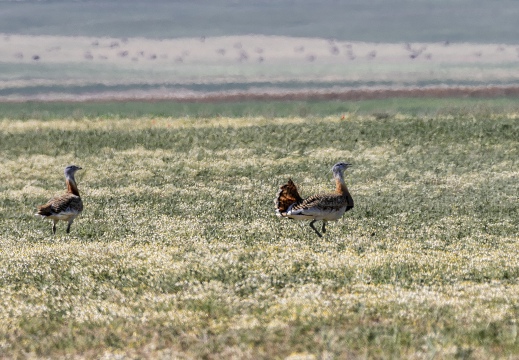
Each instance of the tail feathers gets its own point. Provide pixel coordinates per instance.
(44, 210)
(286, 196)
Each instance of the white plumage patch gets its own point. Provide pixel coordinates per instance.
(64, 215)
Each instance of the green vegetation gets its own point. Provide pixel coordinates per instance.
(138, 109)
(179, 254)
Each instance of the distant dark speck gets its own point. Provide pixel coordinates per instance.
(334, 50)
(243, 56)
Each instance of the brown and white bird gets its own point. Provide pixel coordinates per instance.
(65, 207)
(324, 207)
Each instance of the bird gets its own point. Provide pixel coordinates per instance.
(325, 207)
(65, 207)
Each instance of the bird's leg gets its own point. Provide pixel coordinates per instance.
(312, 226)
(68, 227)
(54, 227)
(324, 227)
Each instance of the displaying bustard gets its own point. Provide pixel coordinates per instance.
(65, 207)
(324, 207)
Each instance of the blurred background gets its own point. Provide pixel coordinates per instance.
(81, 50)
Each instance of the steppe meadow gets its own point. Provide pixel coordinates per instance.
(178, 253)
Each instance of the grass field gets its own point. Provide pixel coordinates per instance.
(267, 109)
(179, 253)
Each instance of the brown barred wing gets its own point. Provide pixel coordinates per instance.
(66, 203)
(322, 202)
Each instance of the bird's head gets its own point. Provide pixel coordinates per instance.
(71, 170)
(340, 167)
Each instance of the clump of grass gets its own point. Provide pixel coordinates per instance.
(178, 252)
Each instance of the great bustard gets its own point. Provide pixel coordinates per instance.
(324, 207)
(65, 207)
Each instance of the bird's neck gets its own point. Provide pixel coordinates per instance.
(71, 185)
(341, 188)
(340, 185)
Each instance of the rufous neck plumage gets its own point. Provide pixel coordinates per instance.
(71, 185)
(341, 188)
